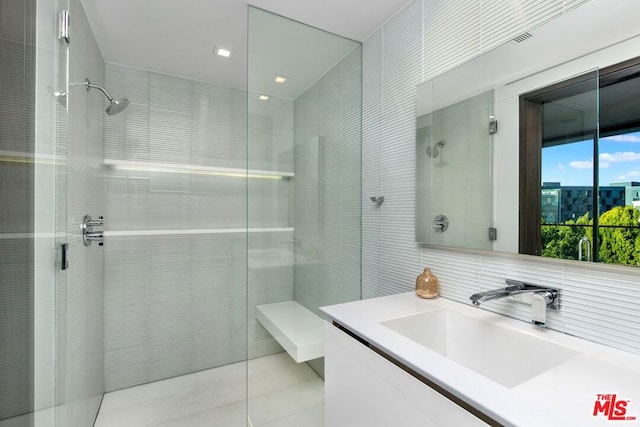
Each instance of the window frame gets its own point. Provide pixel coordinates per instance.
(530, 148)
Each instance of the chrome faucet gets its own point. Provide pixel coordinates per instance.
(540, 298)
(582, 242)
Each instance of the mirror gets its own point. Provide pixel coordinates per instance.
(561, 49)
(453, 149)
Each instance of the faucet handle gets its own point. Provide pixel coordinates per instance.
(514, 285)
(539, 303)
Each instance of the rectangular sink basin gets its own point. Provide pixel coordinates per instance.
(505, 355)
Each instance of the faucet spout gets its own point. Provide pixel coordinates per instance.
(541, 297)
(513, 287)
(480, 297)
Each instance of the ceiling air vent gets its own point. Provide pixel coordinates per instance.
(522, 37)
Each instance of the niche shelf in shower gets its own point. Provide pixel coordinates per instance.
(195, 169)
(28, 157)
(299, 331)
(126, 233)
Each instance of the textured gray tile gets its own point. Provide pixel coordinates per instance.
(169, 136)
(16, 317)
(191, 288)
(219, 126)
(171, 93)
(128, 82)
(126, 366)
(169, 359)
(126, 136)
(16, 197)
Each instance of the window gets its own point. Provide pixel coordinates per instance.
(585, 127)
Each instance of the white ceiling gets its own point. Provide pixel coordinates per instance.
(178, 37)
(281, 47)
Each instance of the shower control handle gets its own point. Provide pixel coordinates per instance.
(440, 223)
(96, 222)
(88, 233)
(95, 236)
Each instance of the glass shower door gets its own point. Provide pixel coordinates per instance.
(50, 214)
(304, 209)
(33, 66)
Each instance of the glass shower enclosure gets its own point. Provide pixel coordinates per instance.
(33, 146)
(302, 152)
(304, 206)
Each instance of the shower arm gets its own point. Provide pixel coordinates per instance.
(115, 105)
(90, 85)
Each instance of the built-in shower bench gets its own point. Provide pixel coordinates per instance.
(298, 330)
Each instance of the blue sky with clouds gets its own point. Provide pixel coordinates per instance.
(572, 164)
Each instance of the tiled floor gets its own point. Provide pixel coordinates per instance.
(45, 417)
(281, 394)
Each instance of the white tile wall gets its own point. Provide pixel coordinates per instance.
(424, 39)
(392, 149)
(372, 182)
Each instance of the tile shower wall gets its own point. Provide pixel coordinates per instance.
(175, 269)
(327, 194)
(426, 38)
(17, 115)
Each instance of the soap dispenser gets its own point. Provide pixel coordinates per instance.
(427, 285)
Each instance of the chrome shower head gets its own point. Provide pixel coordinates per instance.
(115, 105)
(432, 150)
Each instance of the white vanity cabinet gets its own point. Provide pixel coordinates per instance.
(362, 388)
(386, 367)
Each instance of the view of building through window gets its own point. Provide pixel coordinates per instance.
(574, 207)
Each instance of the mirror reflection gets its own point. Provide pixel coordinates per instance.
(453, 152)
(564, 165)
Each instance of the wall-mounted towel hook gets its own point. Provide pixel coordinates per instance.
(377, 199)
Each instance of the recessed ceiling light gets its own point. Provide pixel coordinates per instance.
(263, 97)
(280, 79)
(222, 51)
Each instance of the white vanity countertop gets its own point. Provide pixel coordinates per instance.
(564, 395)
